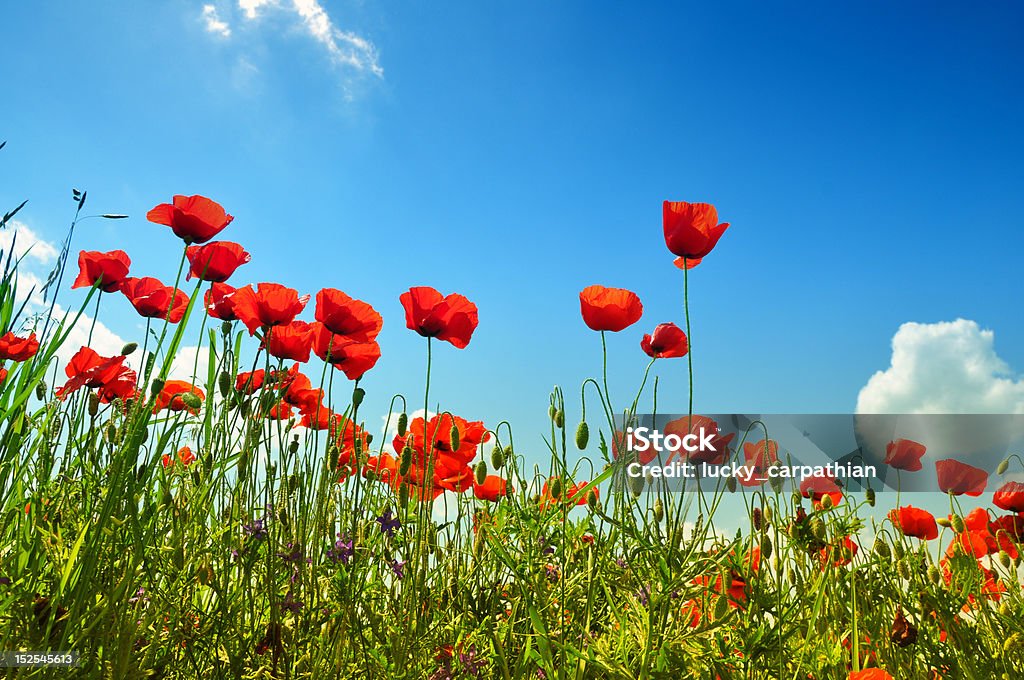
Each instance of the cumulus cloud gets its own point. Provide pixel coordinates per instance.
(947, 367)
(26, 243)
(213, 23)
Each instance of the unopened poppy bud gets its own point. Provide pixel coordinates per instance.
(480, 472)
(898, 549)
(933, 574)
(94, 403)
(768, 514)
(403, 423)
(904, 569)
(157, 385)
(776, 483)
(454, 436)
(1005, 609)
(592, 501)
(636, 485)
(818, 529)
(559, 419)
(293, 483)
(406, 462)
(582, 435)
(943, 522)
(659, 510)
(721, 607)
(111, 432)
(756, 519)
(730, 484)
(1005, 559)
(191, 400)
(881, 548)
(793, 576)
(497, 457)
(224, 383)
(767, 547)
(293, 446)
(357, 396)
(41, 390)
(551, 411)
(826, 502)
(869, 496)
(1013, 642)
(958, 523)
(129, 348)
(403, 495)
(1003, 466)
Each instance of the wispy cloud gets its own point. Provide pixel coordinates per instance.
(213, 23)
(347, 51)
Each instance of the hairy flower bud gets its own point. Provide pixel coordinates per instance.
(224, 383)
(480, 472)
(129, 348)
(555, 488)
(659, 510)
(403, 423)
(1003, 466)
(406, 462)
(497, 457)
(94, 403)
(881, 548)
(454, 436)
(357, 396)
(767, 547)
(559, 419)
(958, 524)
(869, 496)
(191, 400)
(41, 390)
(582, 435)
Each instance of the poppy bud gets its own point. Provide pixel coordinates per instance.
(129, 348)
(403, 423)
(659, 510)
(582, 435)
(559, 419)
(869, 496)
(881, 548)
(551, 411)
(403, 495)
(818, 528)
(94, 403)
(1005, 609)
(769, 514)
(481, 472)
(756, 519)
(904, 569)
(205, 573)
(592, 501)
(826, 502)
(1005, 559)
(958, 524)
(943, 522)
(636, 485)
(406, 462)
(1003, 466)
(721, 607)
(934, 575)
(157, 385)
(454, 436)
(293, 446)
(898, 549)
(555, 488)
(224, 383)
(767, 547)
(1014, 641)
(357, 396)
(111, 432)
(225, 328)
(793, 576)
(41, 390)
(730, 484)
(191, 400)
(497, 457)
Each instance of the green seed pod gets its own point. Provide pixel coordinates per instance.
(826, 502)
(659, 510)
(41, 390)
(904, 569)
(403, 495)
(1013, 642)
(129, 348)
(1003, 466)
(793, 576)
(555, 488)
(497, 457)
(293, 483)
(721, 607)
(293, 445)
(934, 575)
(958, 524)
(559, 419)
(191, 400)
(403, 423)
(943, 522)
(592, 500)
(897, 548)
(94, 403)
(551, 412)
(636, 485)
(406, 462)
(224, 383)
(818, 529)
(881, 548)
(157, 385)
(769, 514)
(869, 495)
(767, 547)
(357, 396)
(582, 435)
(730, 484)
(480, 472)
(1005, 559)
(111, 431)
(454, 436)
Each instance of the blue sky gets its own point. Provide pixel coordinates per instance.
(868, 157)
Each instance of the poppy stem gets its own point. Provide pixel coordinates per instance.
(95, 315)
(689, 339)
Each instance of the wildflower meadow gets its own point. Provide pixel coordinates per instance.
(252, 521)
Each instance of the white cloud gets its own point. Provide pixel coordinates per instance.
(345, 49)
(947, 367)
(213, 23)
(25, 242)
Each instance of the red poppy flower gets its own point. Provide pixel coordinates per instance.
(385, 467)
(817, 487)
(760, 456)
(915, 522)
(290, 341)
(960, 478)
(88, 369)
(185, 457)
(194, 219)
(215, 261)
(451, 318)
(571, 495)
(691, 229)
(609, 309)
(109, 269)
(18, 349)
(170, 396)
(869, 674)
(492, 489)
(346, 316)
(282, 410)
(840, 554)
(1011, 525)
(904, 454)
(3, 375)
(122, 385)
(694, 425)
(666, 342)
(152, 299)
(318, 417)
(218, 300)
(352, 357)
(1010, 496)
(249, 381)
(270, 304)
(686, 262)
(299, 392)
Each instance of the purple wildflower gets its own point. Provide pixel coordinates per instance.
(389, 524)
(256, 529)
(291, 604)
(342, 550)
(397, 567)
